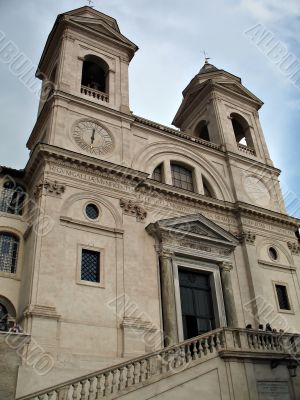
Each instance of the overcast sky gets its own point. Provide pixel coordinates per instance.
(171, 35)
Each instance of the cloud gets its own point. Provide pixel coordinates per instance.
(171, 35)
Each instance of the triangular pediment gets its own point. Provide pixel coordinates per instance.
(104, 28)
(239, 89)
(196, 227)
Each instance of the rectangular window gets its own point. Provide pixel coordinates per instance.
(282, 296)
(90, 266)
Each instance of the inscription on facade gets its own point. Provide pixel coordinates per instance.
(91, 178)
(267, 227)
(273, 391)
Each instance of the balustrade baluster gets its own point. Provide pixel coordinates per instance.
(177, 358)
(170, 356)
(164, 362)
(83, 389)
(254, 341)
(143, 370)
(188, 352)
(62, 394)
(75, 391)
(194, 350)
(122, 378)
(91, 388)
(98, 387)
(51, 395)
(205, 346)
(136, 372)
(129, 375)
(114, 385)
(218, 341)
(107, 384)
(148, 368)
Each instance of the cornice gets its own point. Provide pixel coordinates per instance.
(178, 133)
(144, 185)
(247, 160)
(264, 214)
(46, 152)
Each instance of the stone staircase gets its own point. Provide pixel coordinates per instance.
(118, 380)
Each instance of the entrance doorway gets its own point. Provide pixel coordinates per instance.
(196, 303)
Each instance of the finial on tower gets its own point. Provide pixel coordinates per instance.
(206, 57)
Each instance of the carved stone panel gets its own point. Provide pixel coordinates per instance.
(134, 209)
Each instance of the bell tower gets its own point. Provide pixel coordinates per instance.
(84, 71)
(217, 108)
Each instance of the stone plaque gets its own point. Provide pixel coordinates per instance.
(273, 391)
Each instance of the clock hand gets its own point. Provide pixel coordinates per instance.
(92, 138)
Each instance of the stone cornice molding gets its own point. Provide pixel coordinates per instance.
(247, 160)
(41, 311)
(44, 152)
(134, 209)
(178, 133)
(90, 226)
(138, 324)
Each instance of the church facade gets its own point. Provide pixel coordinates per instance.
(122, 237)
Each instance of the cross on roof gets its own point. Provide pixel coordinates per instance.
(206, 57)
(90, 2)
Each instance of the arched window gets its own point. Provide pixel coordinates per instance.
(7, 314)
(9, 246)
(3, 318)
(207, 188)
(12, 198)
(241, 131)
(95, 74)
(157, 173)
(202, 131)
(182, 177)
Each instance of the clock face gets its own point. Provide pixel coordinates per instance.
(93, 138)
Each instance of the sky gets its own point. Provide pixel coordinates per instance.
(171, 35)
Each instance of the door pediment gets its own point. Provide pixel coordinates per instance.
(194, 232)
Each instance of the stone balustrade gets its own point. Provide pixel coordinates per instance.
(135, 373)
(95, 94)
(246, 150)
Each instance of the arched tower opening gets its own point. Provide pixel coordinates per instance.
(95, 74)
(241, 131)
(201, 131)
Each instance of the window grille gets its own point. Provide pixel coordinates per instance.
(9, 245)
(90, 266)
(12, 199)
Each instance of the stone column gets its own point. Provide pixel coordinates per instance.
(231, 314)
(168, 298)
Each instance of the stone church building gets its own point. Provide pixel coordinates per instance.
(142, 261)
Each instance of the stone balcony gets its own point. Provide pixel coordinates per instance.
(246, 150)
(94, 94)
(131, 375)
